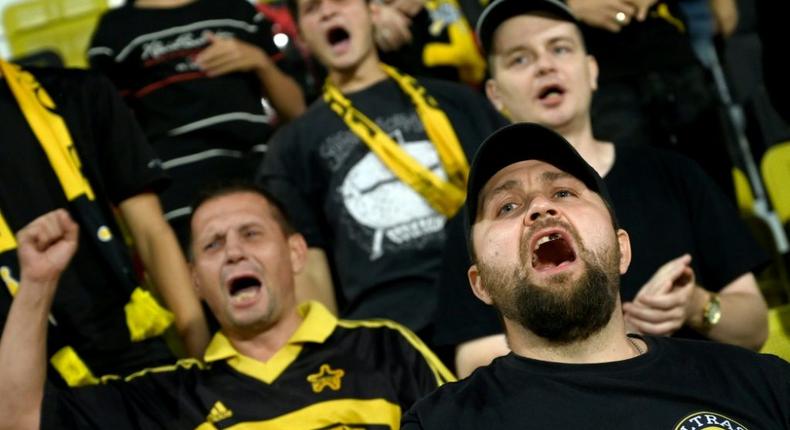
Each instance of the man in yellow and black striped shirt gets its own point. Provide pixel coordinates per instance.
(273, 365)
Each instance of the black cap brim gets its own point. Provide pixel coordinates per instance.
(527, 141)
(500, 10)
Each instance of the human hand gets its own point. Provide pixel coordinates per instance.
(45, 247)
(664, 303)
(390, 27)
(407, 7)
(227, 54)
(611, 15)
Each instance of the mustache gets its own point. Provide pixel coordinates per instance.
(526, 240)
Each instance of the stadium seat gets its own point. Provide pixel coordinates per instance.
(778, 342)
(775, 167)
(62, 26)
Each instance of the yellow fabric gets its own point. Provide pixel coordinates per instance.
(366, 413)
(663, 12)
(50, 130)
(461, 51)
(317, 326)
(7, 239)
(444, 196)
(72, 368)
(145, 317)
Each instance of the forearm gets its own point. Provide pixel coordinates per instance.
(23, 360)
(168, 270)
(743, 317)
(165, 264)
(282, 91)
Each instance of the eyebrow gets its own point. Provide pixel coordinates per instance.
(545, 178)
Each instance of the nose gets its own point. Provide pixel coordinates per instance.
(545, 64)
(234, 251)
(540, 207)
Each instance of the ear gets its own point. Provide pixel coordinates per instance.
(298, 252)
(492, 92)
(477, 285)
(624, 242)
(592, 72)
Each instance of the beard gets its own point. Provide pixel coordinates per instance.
(562, 311)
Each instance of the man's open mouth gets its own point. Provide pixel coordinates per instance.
(337, 35)
(552, 250)
(244, 287)
(551, 90)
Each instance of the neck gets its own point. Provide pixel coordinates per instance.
(607, 345)
(599, 154)
(362, 75)
(263, 344)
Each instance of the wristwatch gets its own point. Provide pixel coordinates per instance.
(711, 313)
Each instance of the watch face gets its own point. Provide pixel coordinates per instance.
(713, 311)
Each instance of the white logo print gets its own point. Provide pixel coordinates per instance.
(376, 199)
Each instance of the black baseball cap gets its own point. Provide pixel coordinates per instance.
(500, 10)
(527, 141)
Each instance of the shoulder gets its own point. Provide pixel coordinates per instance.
(716, 356)
(451, 91)
(449, 400)
(381, 331)
(67, 85)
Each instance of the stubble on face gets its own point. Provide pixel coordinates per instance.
(564, 310)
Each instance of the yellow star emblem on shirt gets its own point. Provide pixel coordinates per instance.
(326, 377)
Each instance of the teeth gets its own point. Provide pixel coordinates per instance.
(244, 295)
(545, 239)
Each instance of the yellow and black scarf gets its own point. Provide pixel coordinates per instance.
(144, 317)
(444, 196)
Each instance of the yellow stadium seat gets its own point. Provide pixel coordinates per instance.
(62, 26)
(743, 191)
(775, 168)
(778, 342)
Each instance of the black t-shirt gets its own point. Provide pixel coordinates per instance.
(677, 384)
(667, 205)
(148, 53)
(118, 164)
(206, 129)
(659, 43)
(384, 239)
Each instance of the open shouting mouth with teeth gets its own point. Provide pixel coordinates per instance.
(243, 288)
(552, 249)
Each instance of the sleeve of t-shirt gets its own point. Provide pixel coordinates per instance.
(410, 421)
(147, 402)
(415, 370)
(263, 37)
(127, 162)
(729, 249)
(286, 174)
(460, 316)
(101, 52)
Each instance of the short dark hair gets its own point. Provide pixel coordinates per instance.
(293, 7)
(222, 189)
